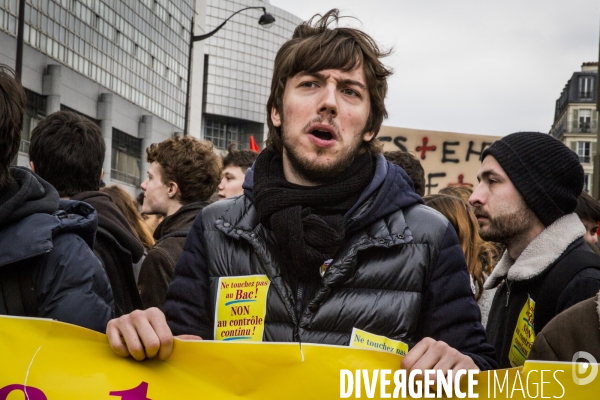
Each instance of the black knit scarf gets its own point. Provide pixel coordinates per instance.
(307, 221)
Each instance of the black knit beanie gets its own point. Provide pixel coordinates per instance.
(547, 173)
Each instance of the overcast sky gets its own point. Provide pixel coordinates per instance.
(473, 66)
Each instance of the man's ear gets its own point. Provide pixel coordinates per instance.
(275, 117)
(102, 174)
(173, 190)
(32, 166)
(368, 136)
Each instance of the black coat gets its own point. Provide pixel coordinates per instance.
(527, 277)
(401, 274)
(118, 248)
(55, 247)
(158, 266)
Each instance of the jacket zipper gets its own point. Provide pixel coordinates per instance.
(299, 294)
(507, 292)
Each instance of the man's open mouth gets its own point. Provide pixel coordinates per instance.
(322, 134)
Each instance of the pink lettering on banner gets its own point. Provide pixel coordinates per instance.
(137, 393)
(30, 392)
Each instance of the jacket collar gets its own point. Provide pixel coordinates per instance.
(181, 219)
(390, 189)
(112, 223)
(244, 218)
(542, 252)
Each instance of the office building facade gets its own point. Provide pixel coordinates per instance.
(238, 66)
(123, 64)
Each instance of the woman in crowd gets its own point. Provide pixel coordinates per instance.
(479, 254)
(128, 207)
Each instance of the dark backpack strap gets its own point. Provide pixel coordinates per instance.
(179, 233)
(18, 290)
(28, 294)
(9, 280)
(557, 280)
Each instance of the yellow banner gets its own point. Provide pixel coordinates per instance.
(54, 361)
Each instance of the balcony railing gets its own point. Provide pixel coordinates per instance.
(588, 127)
(585, 159)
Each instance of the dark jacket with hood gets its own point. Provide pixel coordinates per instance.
(118, 248)
(529, 277)
(158, 266)
(48, 243)
(400, 274)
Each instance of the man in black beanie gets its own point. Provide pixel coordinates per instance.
(529, 183)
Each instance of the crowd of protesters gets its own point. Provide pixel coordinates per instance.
(344, 232)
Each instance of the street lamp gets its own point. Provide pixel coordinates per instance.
(266, 20)
(20, 34)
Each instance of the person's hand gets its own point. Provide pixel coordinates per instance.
(437, 355)
(141, 334)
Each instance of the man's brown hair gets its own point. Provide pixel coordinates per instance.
(411, 165)
(239, 158)
(315, 47)
(12, 109)
(190, 163)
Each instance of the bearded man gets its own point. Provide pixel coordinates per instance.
(334, 234)
(527, 193)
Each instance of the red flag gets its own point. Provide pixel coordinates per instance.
(253, 145)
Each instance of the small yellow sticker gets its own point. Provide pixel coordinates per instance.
(524, 335)
(241, 308)
(366, 340)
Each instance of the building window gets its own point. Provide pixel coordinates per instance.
(222, 131)
(586, 183)
(126, 158)
(584, 151)
(586, 84)
(585, 120)
(35, 111)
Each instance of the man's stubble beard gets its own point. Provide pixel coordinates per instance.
(312, 171)
(504, 228)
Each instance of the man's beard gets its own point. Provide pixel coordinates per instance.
(313, 171)
(505, 227)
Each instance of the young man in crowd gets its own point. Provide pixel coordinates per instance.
(47, 268)
(183, 174)
(528, 189)
(235, 165)
(67, 150)
(337, 230)
(588, 211)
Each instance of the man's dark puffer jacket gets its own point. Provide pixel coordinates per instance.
(402, 275)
